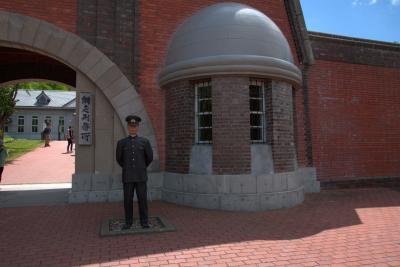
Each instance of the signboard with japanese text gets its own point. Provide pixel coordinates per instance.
(85, 118)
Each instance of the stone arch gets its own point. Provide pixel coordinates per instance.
(24, 32)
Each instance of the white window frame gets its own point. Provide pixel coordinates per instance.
(62, 128)
(197, 86)
(262, 84)
(21, 126)
(36, 125)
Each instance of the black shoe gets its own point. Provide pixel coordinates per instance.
(126, 226)
(145, 225)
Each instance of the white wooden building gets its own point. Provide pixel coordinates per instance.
(35, 107)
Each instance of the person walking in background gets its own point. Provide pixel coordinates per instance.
(46, 134)
(3, 156)
(70, 138)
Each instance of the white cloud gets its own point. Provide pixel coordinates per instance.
(366, 2)
(395, 2)
(373, 2)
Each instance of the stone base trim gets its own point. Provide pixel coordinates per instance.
(237, 192)
(88, 187)
(222, 192)
(108, 196)
(236, 202)
(309, 174)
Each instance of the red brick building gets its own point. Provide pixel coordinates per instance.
(340, 116)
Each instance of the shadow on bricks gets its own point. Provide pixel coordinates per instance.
(68, 235)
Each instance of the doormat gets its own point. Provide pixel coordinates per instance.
(110, 227)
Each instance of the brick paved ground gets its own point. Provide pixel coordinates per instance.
(353, 227)
(42, 165)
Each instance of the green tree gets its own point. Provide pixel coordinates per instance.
(43, 86)
(7, 105)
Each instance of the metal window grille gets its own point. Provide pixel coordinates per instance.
(203, 112)
(21, 123)
(35, 123)
(257, 111)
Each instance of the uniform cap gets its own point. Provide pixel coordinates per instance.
(133, 120)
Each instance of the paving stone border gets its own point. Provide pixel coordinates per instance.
(113, 227)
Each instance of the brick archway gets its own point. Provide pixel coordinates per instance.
(23, 32)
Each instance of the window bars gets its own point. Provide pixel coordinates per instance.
(257, 111)
(35, 123)
(203, 112)
(21, 123)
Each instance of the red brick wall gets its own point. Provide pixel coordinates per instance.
(180, 131)
(62, 13)
(230, 122)
(298, 121)
(158, 21)
(282, 127)
(355, 120)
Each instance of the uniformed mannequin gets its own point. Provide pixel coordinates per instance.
(134, 154)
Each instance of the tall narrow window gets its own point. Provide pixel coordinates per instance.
(61, 125)
(257, 111)
(203, 112)
(21, 123)
(35, 124)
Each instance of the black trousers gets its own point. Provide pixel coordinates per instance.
(69, 143)
(141, 193)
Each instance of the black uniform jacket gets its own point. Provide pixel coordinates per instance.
(134, 154)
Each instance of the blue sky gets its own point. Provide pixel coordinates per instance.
(369, 19)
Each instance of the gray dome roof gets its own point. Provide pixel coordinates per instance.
(229, 38)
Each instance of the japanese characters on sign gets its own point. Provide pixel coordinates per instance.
(85, 118)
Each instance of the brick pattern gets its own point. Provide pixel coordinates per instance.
(180, 128)
(295, 124)
(106, 27)
(231, 124)
(332, 228)
(304, 122)
(299, 129)
(283, 148)
(355, 51)
(355, 120)
(159, 19)
(353, 102)
(62, 13)
(86, 19)
(110, 26)
(268, 113)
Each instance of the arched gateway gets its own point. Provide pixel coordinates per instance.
(97, 177)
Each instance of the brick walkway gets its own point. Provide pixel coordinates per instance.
(354, 227)
(42, 165)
